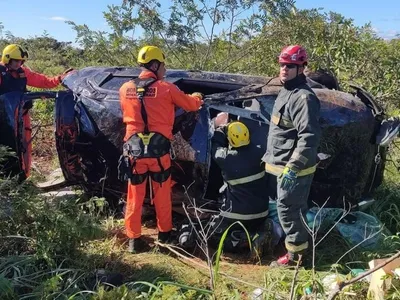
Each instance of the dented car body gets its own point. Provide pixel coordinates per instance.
(89, 133)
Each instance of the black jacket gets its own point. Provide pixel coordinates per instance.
(294, 132)
(244, 174)
(10, 83)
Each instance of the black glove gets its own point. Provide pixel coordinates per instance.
(66, 72)
(124, 168)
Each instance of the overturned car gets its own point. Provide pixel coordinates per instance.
(89, 133)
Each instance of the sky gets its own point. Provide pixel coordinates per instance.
(33, 18)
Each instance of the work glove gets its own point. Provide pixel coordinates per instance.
(288, 179)
(199, 95)
(66, 72)
(124, 168)
(221, 119)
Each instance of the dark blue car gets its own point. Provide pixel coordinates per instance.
(89, 133)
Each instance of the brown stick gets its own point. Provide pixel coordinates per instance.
(342, 284)
(295, 277)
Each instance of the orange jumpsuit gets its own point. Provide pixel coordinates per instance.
(160, 101)
(41, 81)
(17, 81)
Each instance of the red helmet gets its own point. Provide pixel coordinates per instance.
(293, 55)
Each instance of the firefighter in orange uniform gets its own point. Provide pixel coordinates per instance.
(148, 108)
(14, 76)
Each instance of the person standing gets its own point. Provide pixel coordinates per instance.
(291, 154)
(148, 108)
(15, 77)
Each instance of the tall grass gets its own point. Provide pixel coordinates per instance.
(50, 248)
(44, 252)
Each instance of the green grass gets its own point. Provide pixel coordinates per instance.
(52, 248)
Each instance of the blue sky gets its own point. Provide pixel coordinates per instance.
(30, 18)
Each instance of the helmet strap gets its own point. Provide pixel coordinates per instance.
(10, 60)
(149, 65)
(158, 67)
(297, 69)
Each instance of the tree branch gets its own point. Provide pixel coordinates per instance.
(296, 272)
(244, 53)
(214, 22)
(170, 48)
(345, 283)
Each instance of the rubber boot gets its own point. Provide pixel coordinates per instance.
(137, 245)
(290, 260)
(164, 237)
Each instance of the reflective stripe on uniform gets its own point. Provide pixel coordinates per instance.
(246, 179)
(236, 216)
(282, 121)
(294, 249)
(275, 119)
(277, 170)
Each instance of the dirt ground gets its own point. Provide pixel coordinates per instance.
(193, 269)
(46, 164)
(161, 261)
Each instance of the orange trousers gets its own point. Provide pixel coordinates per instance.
(161, 197)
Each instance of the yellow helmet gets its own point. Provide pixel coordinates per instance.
(149, 53)
(238, 134)
(13, 51)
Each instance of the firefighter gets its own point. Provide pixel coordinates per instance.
(15, 76)
(245, 194)
(148, 107)
(291, 154)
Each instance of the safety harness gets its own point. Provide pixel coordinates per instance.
(9, 83)
(146, 144)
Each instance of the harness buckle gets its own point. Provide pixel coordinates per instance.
(146, 140)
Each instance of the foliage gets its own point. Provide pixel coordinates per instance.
(51, 246)
(242, 36)
(48, 235)
(388, 206)
(40, 237)
(224, 36)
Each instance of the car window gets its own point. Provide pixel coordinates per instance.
(266, 105)
(111, 82)
(114, 83)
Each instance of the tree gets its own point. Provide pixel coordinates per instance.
(190, 31)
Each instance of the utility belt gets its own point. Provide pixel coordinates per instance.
(143, 145)
(151, 145)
